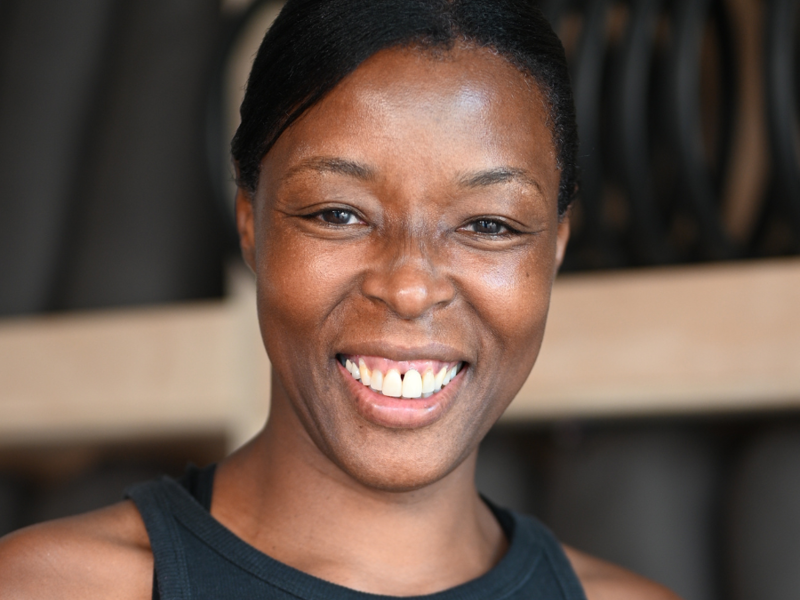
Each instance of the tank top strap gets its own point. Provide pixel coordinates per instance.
(171, 570)
(199, 482)
(560, 567)
(535, 533)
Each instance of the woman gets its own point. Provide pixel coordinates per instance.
(405, 170)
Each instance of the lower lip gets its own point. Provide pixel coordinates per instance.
(401, 413)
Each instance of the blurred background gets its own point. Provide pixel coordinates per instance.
(128, 344)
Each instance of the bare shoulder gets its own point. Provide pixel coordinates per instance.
(604, 581)
(101, 554)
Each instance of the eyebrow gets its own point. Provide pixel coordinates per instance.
(496, 176)
(338, 166)
(477, 179)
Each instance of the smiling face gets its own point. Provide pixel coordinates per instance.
(406, 224)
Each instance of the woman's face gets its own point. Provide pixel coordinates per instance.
(406, 224)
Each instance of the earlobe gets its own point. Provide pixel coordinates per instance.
(245, 225)
(562, 237)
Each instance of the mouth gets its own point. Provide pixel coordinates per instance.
(401, 394)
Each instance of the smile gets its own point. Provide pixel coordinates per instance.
(401, 379)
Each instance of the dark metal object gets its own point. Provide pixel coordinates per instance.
(587, 82)
(783, 104)
(631, 119)
(690, 19)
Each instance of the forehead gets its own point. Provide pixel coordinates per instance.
(459, 109)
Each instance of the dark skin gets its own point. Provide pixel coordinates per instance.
(411, 214)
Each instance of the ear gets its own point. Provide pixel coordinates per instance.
(246, 227)
(562, 237)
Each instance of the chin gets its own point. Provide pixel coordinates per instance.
(397, 479)
(416, 462)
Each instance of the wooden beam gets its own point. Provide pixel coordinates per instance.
(183, 369)
(679, 340)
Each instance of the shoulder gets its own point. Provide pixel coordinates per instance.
(101, 554)
(603, 581)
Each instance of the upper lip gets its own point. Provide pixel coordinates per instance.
(401, 352)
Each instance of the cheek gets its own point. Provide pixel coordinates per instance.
(512, 296)
(299, 283)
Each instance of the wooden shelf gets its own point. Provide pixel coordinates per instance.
(678, 340)
(193, 369)
(657, 341)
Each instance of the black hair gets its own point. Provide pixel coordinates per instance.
(314, 44)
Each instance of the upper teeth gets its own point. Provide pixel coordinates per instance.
(410, 385)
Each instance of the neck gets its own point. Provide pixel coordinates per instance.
(282, 495)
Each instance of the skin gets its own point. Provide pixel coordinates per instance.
(411, 214)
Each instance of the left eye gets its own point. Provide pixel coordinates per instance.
(488, 227)
(337, 216)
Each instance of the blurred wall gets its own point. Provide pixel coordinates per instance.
(104, 193)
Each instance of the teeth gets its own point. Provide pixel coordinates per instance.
(364, 371)
(392, 384)
(412, 384)
(353, 369)
(376, 382)
(428, 382)
(438, 380)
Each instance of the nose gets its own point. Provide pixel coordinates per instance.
(407, 281)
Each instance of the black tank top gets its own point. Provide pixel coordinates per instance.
(197, 558)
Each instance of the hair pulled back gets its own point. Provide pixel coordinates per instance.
(314, 44)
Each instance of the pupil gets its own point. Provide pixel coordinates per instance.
(340, 216)
(488, 226)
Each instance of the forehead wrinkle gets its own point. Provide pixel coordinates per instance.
(331, 164)
(501, 175)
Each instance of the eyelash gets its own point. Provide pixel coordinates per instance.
(505, 229)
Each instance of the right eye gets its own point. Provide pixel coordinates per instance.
(338, 216)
